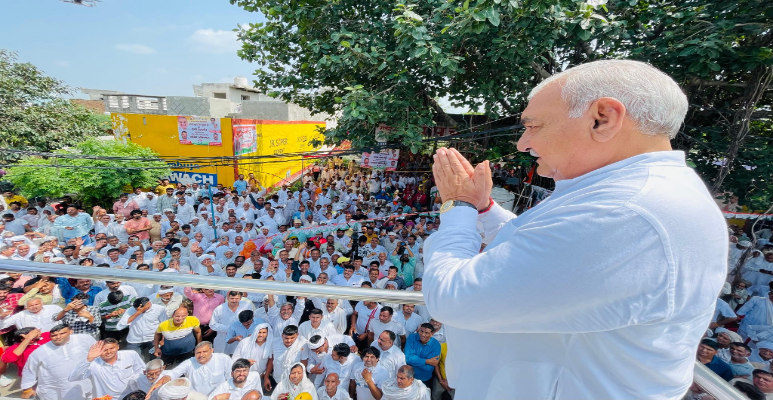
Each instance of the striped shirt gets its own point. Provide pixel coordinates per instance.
(106, 308)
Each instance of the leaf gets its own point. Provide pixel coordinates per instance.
(344, 43)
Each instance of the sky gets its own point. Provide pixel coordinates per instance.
(153, 47)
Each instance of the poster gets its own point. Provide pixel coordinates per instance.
(199, 130)
(385, 159)
(245, 139)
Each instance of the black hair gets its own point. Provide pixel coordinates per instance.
(140, 302)
(234, 293)
(316, 311)
(366, 283)
(388, 309)
(81, 296)
(137, 394)
(115, 297)
(751, 391)
(391, 334)
(707, 342)
(290, 330)
(135, 212)
(59, 327)
(432, 328)
(240, 364)
(18, 334)
(109, 340)
(741, 344)
(372, 350)
(349, 266)
(246, 315)
(342, 349)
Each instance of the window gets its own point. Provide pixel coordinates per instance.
(244, 97)
(219, 95)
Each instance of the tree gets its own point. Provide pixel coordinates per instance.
(95, 171)
(379, 63)
(34, 116)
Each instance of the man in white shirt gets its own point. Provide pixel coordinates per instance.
(241, 383)
(114, 286)
(48, 368)
(392, 358)
(340, 361)
(349, 278)
(285, 352)
(222, 318)
(108, 368)
(35, 315)
(332, 390)
(409, 319)
(206, 369)
(316, 326)
(150, 375)
(385, 322)
(602, 131)
(369, 375)
(143, 320)
(287, 315)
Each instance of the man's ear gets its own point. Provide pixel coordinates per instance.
(607, 114)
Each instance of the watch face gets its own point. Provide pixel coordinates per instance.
(447, 206)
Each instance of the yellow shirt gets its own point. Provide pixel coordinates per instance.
(20, 199)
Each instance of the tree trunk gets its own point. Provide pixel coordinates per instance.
(754, 91)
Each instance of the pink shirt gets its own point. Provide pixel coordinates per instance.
(125, 208)
(203, 306)
(143, 223)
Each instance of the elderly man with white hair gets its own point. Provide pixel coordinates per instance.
(150, 375)
(404, 387)
(602, 131)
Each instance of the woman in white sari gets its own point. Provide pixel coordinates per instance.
(256, 349)
(294, 382)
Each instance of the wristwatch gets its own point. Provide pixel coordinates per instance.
(450, 204)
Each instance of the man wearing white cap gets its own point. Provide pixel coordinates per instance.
(762, 355)
(179, 389)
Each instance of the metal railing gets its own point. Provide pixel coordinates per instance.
(213, 282)
(704, 377)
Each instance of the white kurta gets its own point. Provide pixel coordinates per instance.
(253, 382)
(306, 331)
(222, 318)
(622, 248)
(43, 320)
(204, 378)
(49, 366)
(110, 379)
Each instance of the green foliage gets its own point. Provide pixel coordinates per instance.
(33, 114)
(383, 62)
(93, 186)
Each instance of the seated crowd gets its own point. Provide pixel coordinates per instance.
(81, 338)
(739, 342)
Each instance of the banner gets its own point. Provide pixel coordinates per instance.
(245, 139)
(385, 159)
(199, 130)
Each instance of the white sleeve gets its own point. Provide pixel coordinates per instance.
(457, 274)
(492, 221)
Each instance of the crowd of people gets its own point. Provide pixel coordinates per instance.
(341, 225)
(739, 342)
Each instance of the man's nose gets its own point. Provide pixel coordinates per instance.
(524, 144)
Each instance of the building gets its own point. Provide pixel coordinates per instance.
(226, 129)
(218, 100)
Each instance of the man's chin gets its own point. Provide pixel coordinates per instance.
(544, 170)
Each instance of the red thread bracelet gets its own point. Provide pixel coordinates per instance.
(490, 204)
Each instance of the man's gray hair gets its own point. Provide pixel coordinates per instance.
(203, 344)
(407, 370)
(155, 364)
(652, 99)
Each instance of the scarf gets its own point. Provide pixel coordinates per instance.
(250, 350)
(292, 390)
(416, 391)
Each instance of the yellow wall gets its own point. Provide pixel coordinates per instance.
(159, 132)
(280, 137)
